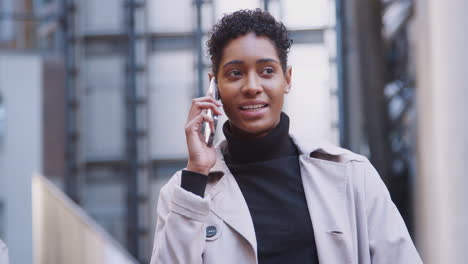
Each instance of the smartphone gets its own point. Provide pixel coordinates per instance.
(207, 133)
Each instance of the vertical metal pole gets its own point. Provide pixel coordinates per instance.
(266, 4)
(365, 75)
(373, 76)
(131, 133)
(199, 48)
(71, 119)
(341, 64)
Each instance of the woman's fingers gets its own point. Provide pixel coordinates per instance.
(198, 106)
(206, 99)
(196, 123)
(195, 139)
(197, 116)
(200, 155)
(208, 105)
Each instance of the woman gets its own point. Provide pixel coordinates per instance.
(264, 195)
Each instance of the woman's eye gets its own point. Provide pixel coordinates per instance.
(268, 70)
(234, 73)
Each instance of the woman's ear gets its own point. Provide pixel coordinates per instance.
(287, 77)
(210, 75)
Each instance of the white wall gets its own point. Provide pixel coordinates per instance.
(64, 233)
(20, 83)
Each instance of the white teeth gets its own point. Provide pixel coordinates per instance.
(248, 107)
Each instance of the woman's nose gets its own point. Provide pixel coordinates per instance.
(252, 86)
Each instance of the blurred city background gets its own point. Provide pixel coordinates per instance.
(94, 95)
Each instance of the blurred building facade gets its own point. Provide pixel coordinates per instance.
(94, 95)
(116, 83)
(378, 80)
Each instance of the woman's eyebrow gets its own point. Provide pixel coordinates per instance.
(266, 61)
(259, 61)
(233, 62)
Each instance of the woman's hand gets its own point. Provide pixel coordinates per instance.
(201, 157)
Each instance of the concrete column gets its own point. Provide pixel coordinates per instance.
(441, 197)
(21, 86)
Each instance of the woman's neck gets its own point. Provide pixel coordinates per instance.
(245, 149)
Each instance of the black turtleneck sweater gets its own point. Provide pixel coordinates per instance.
(268, 174)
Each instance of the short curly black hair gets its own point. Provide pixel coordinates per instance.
(242, 22)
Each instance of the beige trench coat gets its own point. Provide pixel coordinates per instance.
(353, 217)
(3, 253)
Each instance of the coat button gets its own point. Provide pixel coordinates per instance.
(211, 231)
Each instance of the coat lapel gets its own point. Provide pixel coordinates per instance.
(228, 203)
(325, 186)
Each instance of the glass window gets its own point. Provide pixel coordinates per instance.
(95, 20)
(171, 80)
(105, 107)
(309, 101)
(274, 7)
(104, 200)
(171, 16)
(226, 7)
(299, 14)
(6, 25)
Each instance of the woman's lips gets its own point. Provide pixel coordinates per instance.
(254, 113)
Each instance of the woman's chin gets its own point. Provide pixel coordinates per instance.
(252, 129)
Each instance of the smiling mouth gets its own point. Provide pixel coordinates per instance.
(253, 108)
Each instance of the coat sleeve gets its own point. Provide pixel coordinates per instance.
(3, 253)
(389, 239)
(180, 234)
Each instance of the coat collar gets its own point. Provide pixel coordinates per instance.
(325, 191)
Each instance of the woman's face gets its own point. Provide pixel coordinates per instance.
(252, 85)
